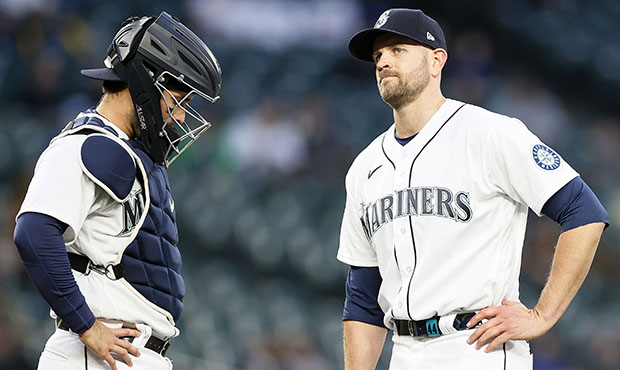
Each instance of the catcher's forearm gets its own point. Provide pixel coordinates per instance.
(571, 262)
(40, 244)
(363, 344)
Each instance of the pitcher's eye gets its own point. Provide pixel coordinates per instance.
(376, 57)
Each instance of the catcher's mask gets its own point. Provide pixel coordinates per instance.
(155, 55)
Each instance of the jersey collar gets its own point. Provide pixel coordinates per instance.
(94, 113)
(121, 134)
(394, 148)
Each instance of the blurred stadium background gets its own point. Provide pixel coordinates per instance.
(260, 196)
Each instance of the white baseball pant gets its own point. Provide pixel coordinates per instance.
(451, 351)
(65, 351)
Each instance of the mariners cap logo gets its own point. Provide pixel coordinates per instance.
(382, 19)
(545, 157)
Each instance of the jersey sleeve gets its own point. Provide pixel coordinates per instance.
(361, 292)
(575, 205)
(524, 168)
(354, 249)
(59, 188)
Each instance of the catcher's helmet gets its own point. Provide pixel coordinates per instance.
(154, 55)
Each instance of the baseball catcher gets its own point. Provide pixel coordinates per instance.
(97, 230)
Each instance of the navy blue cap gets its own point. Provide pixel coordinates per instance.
(410, 23)
(105, 74)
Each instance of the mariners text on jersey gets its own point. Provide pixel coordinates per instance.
(416, 201)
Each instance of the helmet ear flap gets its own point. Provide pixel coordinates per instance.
(146, 101)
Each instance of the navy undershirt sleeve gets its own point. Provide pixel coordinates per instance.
(362, 290)
(38, 238)
(575, 205)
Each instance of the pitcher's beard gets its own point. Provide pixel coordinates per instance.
(398, 96)
(408, 87)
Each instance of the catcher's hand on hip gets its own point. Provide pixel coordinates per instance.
(106, 341)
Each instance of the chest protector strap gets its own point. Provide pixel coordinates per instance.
(84, 265)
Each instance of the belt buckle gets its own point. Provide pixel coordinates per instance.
(432, 327)
(411, 328)
(165, 348)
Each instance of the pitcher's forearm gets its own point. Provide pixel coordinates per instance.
(363, 344)
(571, 263)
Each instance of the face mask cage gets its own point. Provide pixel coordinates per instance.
(180, 135)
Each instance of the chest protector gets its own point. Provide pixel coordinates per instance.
(151, 262)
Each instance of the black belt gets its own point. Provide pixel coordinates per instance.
(430, 327)
(157, 345)
(84, 265)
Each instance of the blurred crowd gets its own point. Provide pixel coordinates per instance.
(260, 196)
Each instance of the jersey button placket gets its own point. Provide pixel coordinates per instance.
(403, 156)
(401, 171)
(401, 225)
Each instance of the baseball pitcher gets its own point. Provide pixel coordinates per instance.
(435, 218)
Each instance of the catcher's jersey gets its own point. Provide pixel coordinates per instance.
(99, 225)
(443, 217)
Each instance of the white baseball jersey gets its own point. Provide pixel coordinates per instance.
(444, 216)
(63, 188)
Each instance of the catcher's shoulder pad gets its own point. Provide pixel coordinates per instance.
(109, 165)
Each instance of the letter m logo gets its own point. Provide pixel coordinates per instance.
(132, 211)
